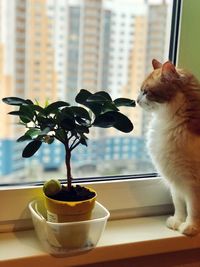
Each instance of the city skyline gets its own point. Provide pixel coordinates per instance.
(51, 49)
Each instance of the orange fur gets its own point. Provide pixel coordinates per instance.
(172, 95)
(162, 86)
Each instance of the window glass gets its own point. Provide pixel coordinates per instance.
(51, 52)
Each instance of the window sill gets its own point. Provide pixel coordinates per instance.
(122, 239)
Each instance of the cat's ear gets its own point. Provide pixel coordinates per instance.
(156, 64)
(169, 71)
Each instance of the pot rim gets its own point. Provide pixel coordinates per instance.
(73, 203)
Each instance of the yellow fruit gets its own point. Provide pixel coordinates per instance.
(51, 187)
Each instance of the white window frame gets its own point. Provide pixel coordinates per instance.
(124, 198)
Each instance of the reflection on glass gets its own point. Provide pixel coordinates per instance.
(52, 49)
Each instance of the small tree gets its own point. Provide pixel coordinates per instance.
(68, 124)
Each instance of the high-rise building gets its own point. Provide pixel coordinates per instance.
(90, 60)
(129, 35)
(46, 49)
(12, 79)
(74, 50)
(47, 63)
(156, 44)
(127, 54)
(51, 49)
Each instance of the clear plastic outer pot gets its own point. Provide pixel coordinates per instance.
(63, 239)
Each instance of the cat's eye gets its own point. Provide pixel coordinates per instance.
(144, 92)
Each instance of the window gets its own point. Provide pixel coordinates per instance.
(141, 190)
(108, 27)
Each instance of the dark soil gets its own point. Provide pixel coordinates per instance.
(77, 193)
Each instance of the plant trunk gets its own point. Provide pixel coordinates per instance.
(68, 167)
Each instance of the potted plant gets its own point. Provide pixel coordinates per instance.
(68, 124)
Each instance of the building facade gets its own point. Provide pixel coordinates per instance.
(51, 49)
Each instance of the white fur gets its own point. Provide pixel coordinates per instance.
(175, 152)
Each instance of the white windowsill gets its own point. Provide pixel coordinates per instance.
(122, 239)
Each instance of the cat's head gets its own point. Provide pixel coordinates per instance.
(160, 86)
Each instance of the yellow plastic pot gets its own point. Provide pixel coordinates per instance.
(63, 211)
(69, 211)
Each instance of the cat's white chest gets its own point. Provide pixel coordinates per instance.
(162, 145)
(156, 140)
(172, 149)
(164, 138)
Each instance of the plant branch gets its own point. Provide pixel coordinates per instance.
(70, 136)
(68, 166)
(73, 145)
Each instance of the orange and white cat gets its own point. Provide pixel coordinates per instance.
(172, 95)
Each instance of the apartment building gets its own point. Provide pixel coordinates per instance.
(129, 35)
(157, 37)
(12, 80)
(51, 49)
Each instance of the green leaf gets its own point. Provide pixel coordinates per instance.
(45, 131)
(109, 106)
(124, 102)
(39, 109)
(32, 132)
(46, 122)
(82, 96)
(105, 120)
(16, 101)
(96, 108)
(81, 112)
(16, 113)
(67, 112)
(31, 148)
(24, 138)
(114, 119)
(25, 119)
(29, 102)
(97, 98)
(26, 112)
(46, 103)
(55, 106)
(37, 102)
(83, 141)
(104, 94)
(68, 123)
(82, 129)
(122, 123)
(60, 134)
(82, 122)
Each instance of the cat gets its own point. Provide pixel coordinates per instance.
(172, 96)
